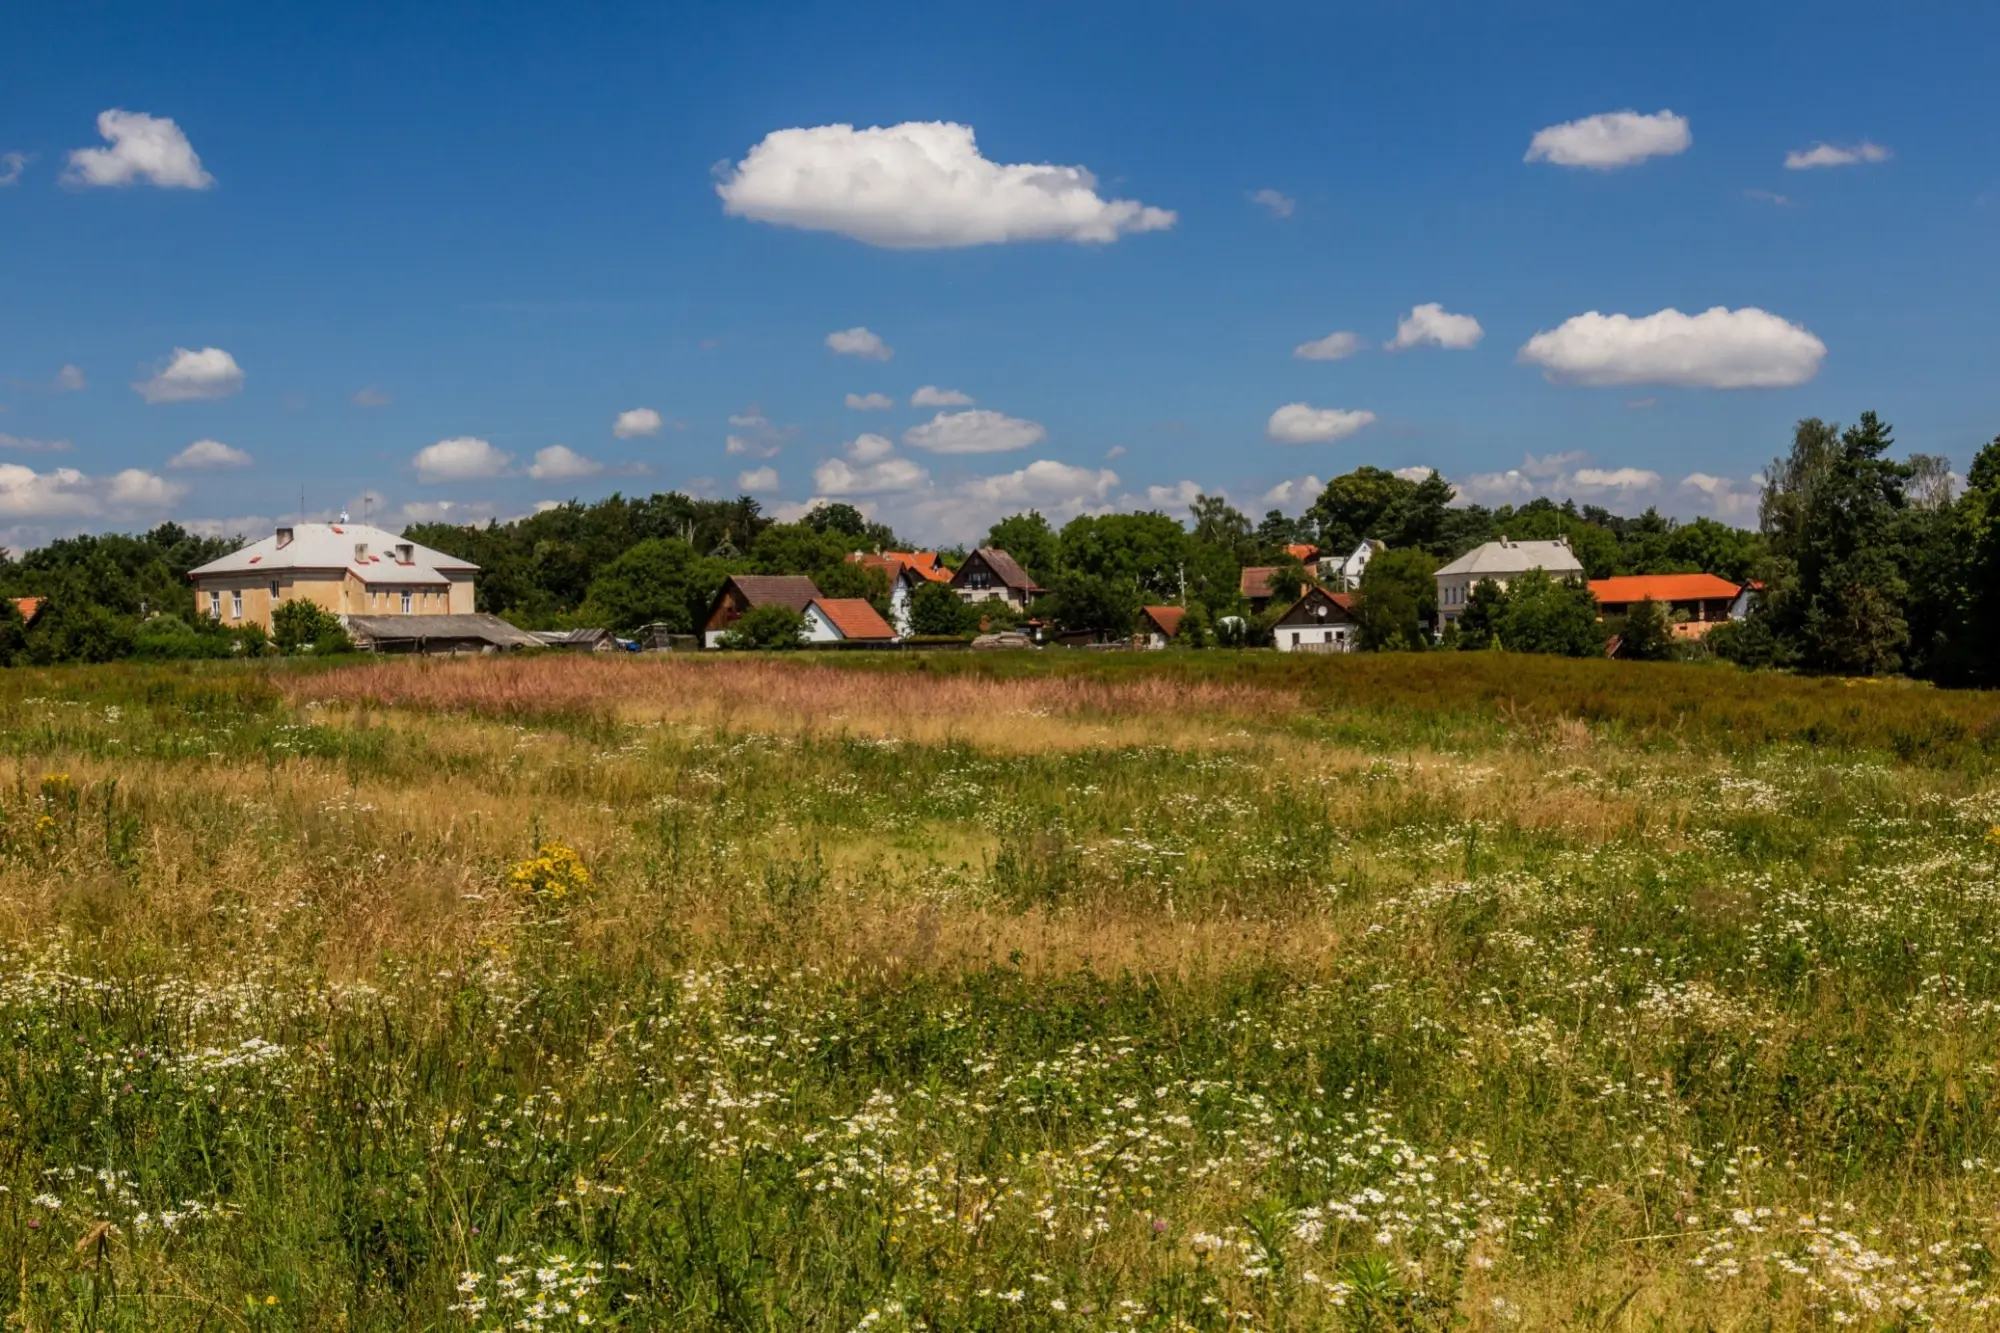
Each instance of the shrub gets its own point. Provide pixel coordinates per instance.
(299, 626)
(766, 627)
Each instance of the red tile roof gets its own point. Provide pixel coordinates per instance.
(1302, 551)
(854, 618)
(29, 607)
(1663, 588)
(921, 564)
(1168, 618)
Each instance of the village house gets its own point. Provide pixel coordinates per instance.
(1160, 625)
(846, 620)
(1502, 562)
(348, 569)
(1699, 602)
(740, 592)
(1345, 573)
(990, 574)
(1319, 622)
(906, 572)
(1255, 585)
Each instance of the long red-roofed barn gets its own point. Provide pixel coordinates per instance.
(1704, 599)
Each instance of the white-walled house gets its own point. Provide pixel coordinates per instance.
(845, 620)
(1502, 562)
(1345, 574)
(1319, 622)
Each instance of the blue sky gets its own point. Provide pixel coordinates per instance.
(502, 226)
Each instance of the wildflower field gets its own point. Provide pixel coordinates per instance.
(1040, 992)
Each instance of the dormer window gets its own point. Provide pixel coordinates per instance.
(405, 553)
(360, 551)
(284, 538)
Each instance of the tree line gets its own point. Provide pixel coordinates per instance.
(1869, 564)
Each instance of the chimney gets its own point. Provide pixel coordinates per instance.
(361, 550)
(284, 538)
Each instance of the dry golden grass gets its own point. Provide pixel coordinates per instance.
(793, 697)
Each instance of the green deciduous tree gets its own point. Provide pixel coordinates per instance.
(662, 580)
(1398, 603)
(769, 628)
(1030, 540)
(1646, 632)
(938, 612)
(1544, 616)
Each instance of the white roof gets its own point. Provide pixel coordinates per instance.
(1506, 559)
(369, 553)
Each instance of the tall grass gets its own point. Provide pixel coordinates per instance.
(968, 995)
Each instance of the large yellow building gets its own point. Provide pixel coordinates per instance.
(350, 569)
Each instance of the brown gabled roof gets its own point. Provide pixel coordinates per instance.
(1344, 600)
(854, 618)
(1006, 569)
(1166, 618)
(1255, 581)
(787, 590)
(1663, 588)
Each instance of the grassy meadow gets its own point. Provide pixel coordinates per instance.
(1056, 991)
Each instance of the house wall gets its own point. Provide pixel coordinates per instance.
(336, 591)
(820, 629)
(1313, 638)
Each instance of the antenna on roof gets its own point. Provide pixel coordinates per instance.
(343, 516)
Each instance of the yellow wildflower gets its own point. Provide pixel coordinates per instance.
(553, 873)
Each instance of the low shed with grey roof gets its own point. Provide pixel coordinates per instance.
(438, 635)
(1502, 562)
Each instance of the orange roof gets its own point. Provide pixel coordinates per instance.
(1662, 588)
(29, 607)
(855, 618)
(1302, 551)
(921, 564)
(1168, 618)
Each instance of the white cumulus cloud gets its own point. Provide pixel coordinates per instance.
(209, 454)
(1836, 155)
(1043, 479)
(1616, 479)
(68, 380)
(1431, 325)
(136, 488)
(837, 476)
(758, 479)
(11, 167)
(1170, 499)
(930, 395)
(1716, 349)
(1414, 473)
(559, 462)
(190, 375)
(142, 148)
(639, 421)
(1613, 139)
(67, 493)
(1300, 423)
(1294, 490)
(1333, 347)
(462, 458)
(921, 185)
(1281, 204)
(861, 342)
(868, 448)
(979, 431)
(870, 402)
